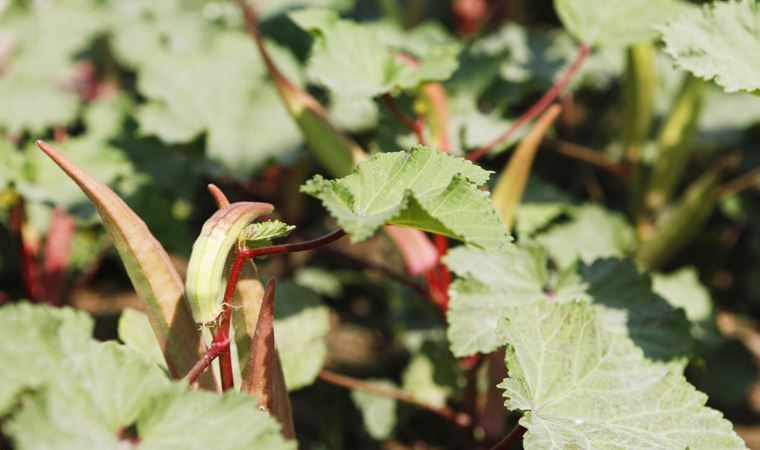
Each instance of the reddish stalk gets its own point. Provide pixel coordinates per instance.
(740, 183)
(415, 125)
(511, 439)
(30, 269)
(205, 361)
(294, 247)
(57, 254)
(461, 419)
(538, 107)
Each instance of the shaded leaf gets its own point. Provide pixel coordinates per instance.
(492, 280)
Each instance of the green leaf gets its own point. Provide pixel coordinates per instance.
(261, 234)
(592, 233)
(423, 189)
(200, 420)
(541, 204)
(616, 23)
(136, 333)
(32, 106)
(718, 42)
(35, 341)
(300, 327)
(430, 375)
(490, 281)
(378, 412)
(361, 60)
(580, 386)
(223, 94)
(89, 395)
(44, 41)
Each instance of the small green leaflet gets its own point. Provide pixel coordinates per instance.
(616, 23)
(719, 42)
(361, 60)
(490, 281)
(378, 412)
(260, 234)
(580, 386)
(84, 394)
(423, 189)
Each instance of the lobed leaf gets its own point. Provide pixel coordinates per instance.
(580, 386)
(91, 395)
(423, 189)
(361, 60)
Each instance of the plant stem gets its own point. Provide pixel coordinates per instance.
(740, 183)
(386, 271)
(415, 125)
(294, 247)
(28, 248)
(222, 337)
(511, 439)
(461, 419)
(590, 156)
(205, 361)
(538, 107)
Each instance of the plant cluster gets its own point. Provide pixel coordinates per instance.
(468, 291)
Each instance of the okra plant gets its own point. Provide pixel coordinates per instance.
(382, 235)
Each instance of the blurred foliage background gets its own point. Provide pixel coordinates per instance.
(157, 99)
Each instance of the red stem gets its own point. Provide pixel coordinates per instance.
(511, 439)
(415, 125)
(538, 107)
(294, 247)
(461, 419)
(57, 254)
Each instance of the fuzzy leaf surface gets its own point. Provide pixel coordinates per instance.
(580, 386)
(423, 189)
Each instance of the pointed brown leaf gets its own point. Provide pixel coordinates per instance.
(512, 180)
(263, 373)
(148, 266)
